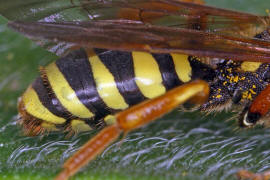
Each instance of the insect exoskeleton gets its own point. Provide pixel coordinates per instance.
(130, 62)
(80, 90)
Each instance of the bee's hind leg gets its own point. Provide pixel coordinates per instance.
(132, 118)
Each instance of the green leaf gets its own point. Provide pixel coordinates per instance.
(180, 145)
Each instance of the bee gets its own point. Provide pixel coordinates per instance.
(126, 63)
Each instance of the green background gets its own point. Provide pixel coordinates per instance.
(177, 146)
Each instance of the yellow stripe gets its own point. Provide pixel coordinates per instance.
(106, 85)
(182, 67)
(65, 94)
(34, 107)
(49, 126)
(250, 66)
(79, 126)
(147, 75)
(110, 119)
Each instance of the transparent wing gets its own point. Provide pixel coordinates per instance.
(146, 25)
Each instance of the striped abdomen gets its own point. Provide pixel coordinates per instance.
(79, 90)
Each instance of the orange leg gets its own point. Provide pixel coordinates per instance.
(261, 103)
(259, 107)
(243, 174)
(132, 118)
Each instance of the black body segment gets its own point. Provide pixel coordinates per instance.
(77, 71)
(47, 98)
(201, 70)
(167, 70)
(120, 64)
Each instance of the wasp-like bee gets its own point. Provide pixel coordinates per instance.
(126, 63)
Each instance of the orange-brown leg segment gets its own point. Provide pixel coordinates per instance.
(132, 118)
(259, 107)
(243, 174)
(261, 103)
(89, 151)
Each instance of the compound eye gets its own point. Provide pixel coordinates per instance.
(250, 119)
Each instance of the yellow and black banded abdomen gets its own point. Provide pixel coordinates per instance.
(79, 90)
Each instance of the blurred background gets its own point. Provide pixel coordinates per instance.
(177, 146)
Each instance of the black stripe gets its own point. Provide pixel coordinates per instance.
(167, 70)
(77, 71)
(201, 70)
(48, 99)
(120, 64)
